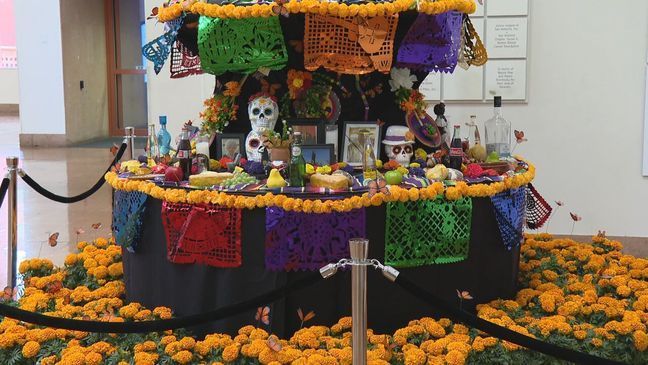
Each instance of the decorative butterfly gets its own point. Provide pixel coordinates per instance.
(53, 239)
(377, 186)
(559, 203)
(464, 295)
(270, 89)
(601, 234)
(263, 315)
(80, 231)
(114, 149)
(297, 45)
(575, 217)
(379, 123)
(280, 8)
(519, 136)
(9, 293)
(96, 226)
(154, 13)
(273, 343)
(305, 318)
(389, 347)
(54, 287)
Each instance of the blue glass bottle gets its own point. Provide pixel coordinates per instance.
(163, 137)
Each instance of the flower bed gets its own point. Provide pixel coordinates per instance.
(588, 297)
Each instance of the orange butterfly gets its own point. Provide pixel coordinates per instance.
(53, 239)
(380, 123)
(96, 226)
(263, 315)
(575, 217)
(154, 13)
(114, 149)
(464, 295)
(600, 234)
(273, 343)
(377, 186)
(519, 136)
(280, 8)
(54, 287)
(304, 318)
(8, 293)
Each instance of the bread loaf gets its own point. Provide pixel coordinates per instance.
(329, 181)
(209, 178)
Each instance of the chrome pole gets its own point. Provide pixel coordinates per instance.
(130, 137)
(359, 248)
(12, 226)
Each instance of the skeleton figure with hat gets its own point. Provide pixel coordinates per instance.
(399, 144)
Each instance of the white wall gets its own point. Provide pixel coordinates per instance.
(584, 119)
(38, 40)
(9, 88)
(178, 99)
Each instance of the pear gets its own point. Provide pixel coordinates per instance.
(275, 180)
(477, 152)
(493, 157)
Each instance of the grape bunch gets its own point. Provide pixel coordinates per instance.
(239, 179)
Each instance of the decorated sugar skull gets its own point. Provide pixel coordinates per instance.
(263, 112)
(399, 144)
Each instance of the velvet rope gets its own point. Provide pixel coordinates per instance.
(164, 324)
(3, 190)
(500, 332)
(73, 199)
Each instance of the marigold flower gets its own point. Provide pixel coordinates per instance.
(30, 349)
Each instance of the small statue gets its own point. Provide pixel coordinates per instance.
(399, 143)
(263, 112)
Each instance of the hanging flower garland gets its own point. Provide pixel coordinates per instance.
(396, 193)
(430, 7)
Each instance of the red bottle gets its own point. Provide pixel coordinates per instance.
(456, 150)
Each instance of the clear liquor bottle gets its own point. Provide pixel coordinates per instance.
(498, 131)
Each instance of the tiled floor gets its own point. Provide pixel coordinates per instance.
(65, 171)
(70, 171)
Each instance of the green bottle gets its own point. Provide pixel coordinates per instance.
(297, 166)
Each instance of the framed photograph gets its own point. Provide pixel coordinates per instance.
(353, 141)
(229, 144)
(318, 154)
(313, 130)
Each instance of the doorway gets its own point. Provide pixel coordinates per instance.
(127, 82)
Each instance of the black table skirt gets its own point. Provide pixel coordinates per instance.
(489, 272)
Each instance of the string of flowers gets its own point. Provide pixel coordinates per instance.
(396, 193)
(339, 9)
(220, 109)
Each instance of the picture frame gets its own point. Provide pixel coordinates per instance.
(349, 153)
(313, 130)
(319, 154)
(229, 144)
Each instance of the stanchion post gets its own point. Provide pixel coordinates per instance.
(12, 226)
(359, 248)
(130, 138)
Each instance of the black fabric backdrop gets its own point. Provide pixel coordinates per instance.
(490, 272)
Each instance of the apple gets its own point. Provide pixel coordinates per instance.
(393, 177)
(173, 174)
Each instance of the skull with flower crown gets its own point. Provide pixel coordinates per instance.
(263, 112)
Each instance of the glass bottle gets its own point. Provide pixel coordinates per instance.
(369, 171)
(456, 150)
(297, 168)
(498, 132)
(184, 154)
(152, 149)
(164, 137)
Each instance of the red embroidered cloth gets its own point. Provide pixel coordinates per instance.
(207, 234)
